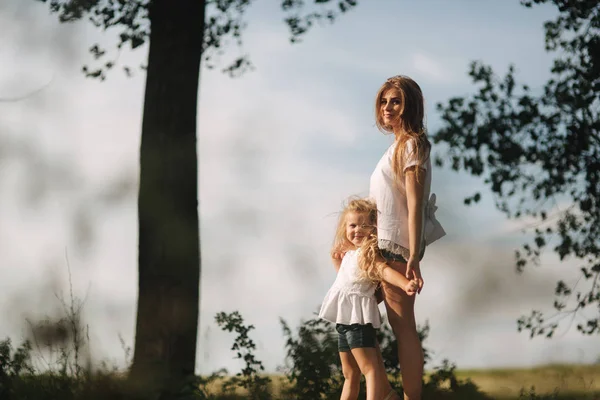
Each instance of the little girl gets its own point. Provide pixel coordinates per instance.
(351, 302)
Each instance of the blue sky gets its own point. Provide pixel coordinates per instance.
(280, 149)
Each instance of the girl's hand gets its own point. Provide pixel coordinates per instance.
(413, 272)
(338, 251)
(337, 254)
(411, 288)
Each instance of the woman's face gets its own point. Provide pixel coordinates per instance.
(391, 107)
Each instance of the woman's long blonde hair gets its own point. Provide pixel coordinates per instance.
(369, 250)
(411, 120)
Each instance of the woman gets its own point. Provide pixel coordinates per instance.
(400, 186)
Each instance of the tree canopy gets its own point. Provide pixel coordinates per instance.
(224, 23)
(539, 153)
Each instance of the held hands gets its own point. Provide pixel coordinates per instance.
(411, 287)
(395, 278)
(413, 273)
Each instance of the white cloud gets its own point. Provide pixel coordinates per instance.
(426, 66)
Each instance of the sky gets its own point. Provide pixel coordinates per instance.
(280, 149)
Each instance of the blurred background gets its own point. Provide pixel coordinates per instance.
(280, 149)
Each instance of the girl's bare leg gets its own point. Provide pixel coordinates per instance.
(351, 373)
(400, 309)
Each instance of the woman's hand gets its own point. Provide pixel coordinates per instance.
(413, 272)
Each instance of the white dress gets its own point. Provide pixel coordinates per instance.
(351, 299)
(392, 207)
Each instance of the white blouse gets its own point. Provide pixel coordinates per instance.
(351, 299)
(392, 207)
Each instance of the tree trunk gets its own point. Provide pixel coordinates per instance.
(169, 243)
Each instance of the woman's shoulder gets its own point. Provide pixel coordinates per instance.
(412, 143)
(417, 152)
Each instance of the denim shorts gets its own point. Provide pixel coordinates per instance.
(355, 336)
(390, 256)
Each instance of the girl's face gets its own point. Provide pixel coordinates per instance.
(391, 107)
(358, 227)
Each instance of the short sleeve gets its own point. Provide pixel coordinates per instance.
(411, 158)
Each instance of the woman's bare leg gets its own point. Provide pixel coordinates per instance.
(351, 373)
(369, 362)
(400, 309)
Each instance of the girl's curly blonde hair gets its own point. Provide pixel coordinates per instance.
(411, 119)
(369, 256)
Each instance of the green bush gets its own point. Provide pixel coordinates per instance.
(249, 378)
(14, 366)
(313, 369)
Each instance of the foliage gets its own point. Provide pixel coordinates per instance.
(313, 369)
(311, 353)
(443, 384)
(13, 365)
(539, 152)
(249, 378)
(224, 23)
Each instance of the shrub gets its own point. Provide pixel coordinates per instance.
(313, 369)
(14, 364)
(249, 378)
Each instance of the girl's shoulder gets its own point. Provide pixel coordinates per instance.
(350, 254)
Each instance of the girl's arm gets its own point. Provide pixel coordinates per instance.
(336, 259)
(393, 277)
(337, 253)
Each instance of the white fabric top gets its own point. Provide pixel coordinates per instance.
(390, 197)
(351, 299)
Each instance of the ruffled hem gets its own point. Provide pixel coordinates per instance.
(393, 248)
(350, 308)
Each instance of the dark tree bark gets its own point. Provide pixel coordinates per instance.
(169, 244)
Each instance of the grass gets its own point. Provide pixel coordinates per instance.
(567, 380)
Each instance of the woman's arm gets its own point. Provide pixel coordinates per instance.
(414, 198)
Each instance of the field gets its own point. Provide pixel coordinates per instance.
(568, 380)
